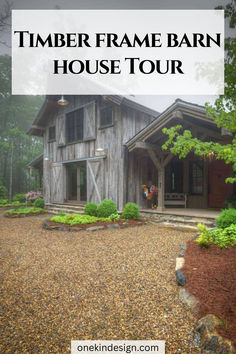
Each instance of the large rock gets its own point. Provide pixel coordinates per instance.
(180, 277)
(113, 226)
(95, 228)
(211, 341)
(179, 263)
(187, 298)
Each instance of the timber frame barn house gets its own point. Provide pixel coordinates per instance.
(100, 147)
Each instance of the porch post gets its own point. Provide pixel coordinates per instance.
(161, 187)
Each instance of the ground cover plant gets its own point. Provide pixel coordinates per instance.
(78, 219)
(25, 211)
(224, 235)
(4, 203)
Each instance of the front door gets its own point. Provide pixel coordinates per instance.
(76, 182)
(218, 190)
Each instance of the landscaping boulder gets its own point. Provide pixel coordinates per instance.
(210, 340)
(180, 277)
(113, 226)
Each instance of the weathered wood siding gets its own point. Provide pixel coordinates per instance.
(110, 172)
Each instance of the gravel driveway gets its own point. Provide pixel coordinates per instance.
(112, 284)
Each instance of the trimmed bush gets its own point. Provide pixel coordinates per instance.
(106, 208)
(131, 211)
(90, 209)
(39, 203)
(19, 197)
(227, 217)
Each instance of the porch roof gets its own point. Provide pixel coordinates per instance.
(37, 163)
(176, 112)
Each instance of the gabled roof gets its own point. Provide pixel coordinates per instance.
(184, 107)
(50, 105)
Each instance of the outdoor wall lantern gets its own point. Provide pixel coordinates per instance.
(46, 158)
(62, 101)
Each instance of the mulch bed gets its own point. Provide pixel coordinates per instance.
(122, 223)
(211, 277)
(23, 215)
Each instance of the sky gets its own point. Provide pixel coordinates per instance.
(160, 102)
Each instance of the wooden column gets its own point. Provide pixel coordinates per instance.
(161, 187)
(160, 164)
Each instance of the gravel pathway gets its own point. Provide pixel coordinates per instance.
(112, 284)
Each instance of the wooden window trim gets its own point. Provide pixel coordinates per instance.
(107, 125)
(52, 139)
(76, 140)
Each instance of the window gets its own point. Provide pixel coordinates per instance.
(106, 117)
(196, 178)
(75, 125)
(52, 133)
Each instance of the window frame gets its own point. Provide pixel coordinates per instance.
(50, 139)
(112, 118)
(191, 178)
(75, 124)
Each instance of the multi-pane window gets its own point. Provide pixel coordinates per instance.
(106, 117)
(75, 125)
(52, 133)
(196, 178)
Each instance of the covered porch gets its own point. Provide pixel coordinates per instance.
(188, 187)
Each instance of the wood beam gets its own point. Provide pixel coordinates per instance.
(168, 158)
(155, 159)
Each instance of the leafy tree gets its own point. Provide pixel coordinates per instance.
(223, 113)
(17, 149)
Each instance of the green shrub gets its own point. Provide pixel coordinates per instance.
(77, 219)
(90, 209)
(39, 203)
(3, 192)
(205, 239)
(114, 217)
(19, 197)
(25, 211)
(226, 218)
(221, 237)
(3, 202)
(131, 211)
(106, 208)
(225, 237)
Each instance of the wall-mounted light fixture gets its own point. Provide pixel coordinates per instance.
(62, 101)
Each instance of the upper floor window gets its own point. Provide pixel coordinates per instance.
(52, 133)
(196, 178)
(106, 117)
(75, 125)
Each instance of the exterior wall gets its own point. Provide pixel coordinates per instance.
(109, 172)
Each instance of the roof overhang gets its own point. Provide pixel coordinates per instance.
(176, 111)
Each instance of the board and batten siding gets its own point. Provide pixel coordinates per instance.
(109, 173)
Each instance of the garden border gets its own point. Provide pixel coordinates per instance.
(112, 226)
(210, 340)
